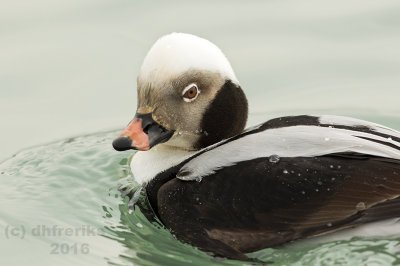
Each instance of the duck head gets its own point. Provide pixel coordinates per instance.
(188, 97)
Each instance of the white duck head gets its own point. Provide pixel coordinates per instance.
(188, 97)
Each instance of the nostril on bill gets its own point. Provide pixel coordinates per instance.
(146, 128)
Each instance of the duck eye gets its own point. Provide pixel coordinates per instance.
(190, 92)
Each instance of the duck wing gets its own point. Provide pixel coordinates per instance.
(296, 181)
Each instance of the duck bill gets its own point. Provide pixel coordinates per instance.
(142, 134)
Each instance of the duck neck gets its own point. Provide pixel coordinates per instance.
(145, 165)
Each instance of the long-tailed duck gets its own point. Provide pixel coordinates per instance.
(229, 191)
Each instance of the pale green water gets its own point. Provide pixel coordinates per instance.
(73, 183)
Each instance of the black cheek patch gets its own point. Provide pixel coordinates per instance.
(225, 117)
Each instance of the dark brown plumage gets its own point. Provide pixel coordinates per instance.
(233, 212)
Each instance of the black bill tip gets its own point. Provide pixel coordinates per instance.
(122, 143)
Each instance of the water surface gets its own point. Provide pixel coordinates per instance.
(73, 183)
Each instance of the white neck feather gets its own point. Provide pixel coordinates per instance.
(145, 165)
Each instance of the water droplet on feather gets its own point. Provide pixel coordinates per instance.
(361, 206)
(274, 158)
